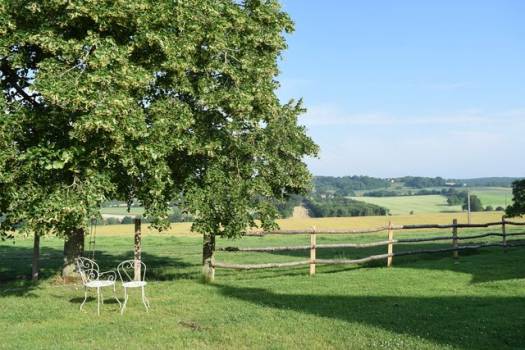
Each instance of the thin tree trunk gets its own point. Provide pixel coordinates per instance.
(138, 249)
(208, 258)
(35, 268)
(73, 248)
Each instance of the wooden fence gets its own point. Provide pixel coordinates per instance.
(454, 238)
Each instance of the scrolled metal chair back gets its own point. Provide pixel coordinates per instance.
(126, 270)
(88, 269)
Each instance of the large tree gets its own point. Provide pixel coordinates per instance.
(155, 101)
(518, 199)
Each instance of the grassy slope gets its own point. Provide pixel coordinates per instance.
(495, 196)
(424, 302)
(418, 204)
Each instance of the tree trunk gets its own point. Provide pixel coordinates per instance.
(35, 268)
(73, 248)
(138, 249)
(208, 259)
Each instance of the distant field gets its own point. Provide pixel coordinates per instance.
(417, 204)
(399, 205)
(494, 196)
(184, 228)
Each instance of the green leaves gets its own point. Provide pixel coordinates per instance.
(518, 201)
(152, 101)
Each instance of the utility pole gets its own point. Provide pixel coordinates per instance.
(468, 205)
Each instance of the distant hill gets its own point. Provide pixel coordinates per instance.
(489, 181)
(366, 195)
(347, 185)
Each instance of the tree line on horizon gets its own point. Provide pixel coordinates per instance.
(348, 185)
(328, 197)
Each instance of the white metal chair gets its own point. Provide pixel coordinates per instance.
(126, 272)
(93, 278)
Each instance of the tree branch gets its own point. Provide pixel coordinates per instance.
(11, 78)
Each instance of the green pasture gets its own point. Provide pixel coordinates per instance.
(423, 302)
(418, 204)
(494, 196)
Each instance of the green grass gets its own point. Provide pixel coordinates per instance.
(423, 302)
(494, 196)
(418, 204)
(399, 205)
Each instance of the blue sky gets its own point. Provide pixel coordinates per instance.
(393, 88)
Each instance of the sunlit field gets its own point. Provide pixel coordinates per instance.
(401, 205)
(184, 228)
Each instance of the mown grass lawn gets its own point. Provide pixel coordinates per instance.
(423, 302)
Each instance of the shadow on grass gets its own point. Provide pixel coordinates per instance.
(462, 322)
(15, 267)
(19, 289)
(159, 268)
(107, 299)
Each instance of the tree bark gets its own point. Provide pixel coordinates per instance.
(73, 248)
(35, 268)
(208, 258)
(138, 250)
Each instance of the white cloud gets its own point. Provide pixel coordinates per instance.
(332, 116)
(463, 144)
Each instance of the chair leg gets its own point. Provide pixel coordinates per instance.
(85, 298)
(98, 301)
(144, 300)
(115, 296)
(125, 301)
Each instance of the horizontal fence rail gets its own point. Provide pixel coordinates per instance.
(382, 228)
(390, 242)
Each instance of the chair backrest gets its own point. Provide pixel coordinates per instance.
(88, 269)
(126, 270)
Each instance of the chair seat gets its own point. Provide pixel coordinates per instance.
(134, 284)
(99, 284)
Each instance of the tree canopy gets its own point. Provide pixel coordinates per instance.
(155, 101)
(518, 199)
(475, 203)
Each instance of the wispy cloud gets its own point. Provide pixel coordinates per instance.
(456, 144)
(332, 116)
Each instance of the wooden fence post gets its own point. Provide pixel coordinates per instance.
(455, 238)
(138, 249)
(504, 232)
(312, 251)
(390, 245)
